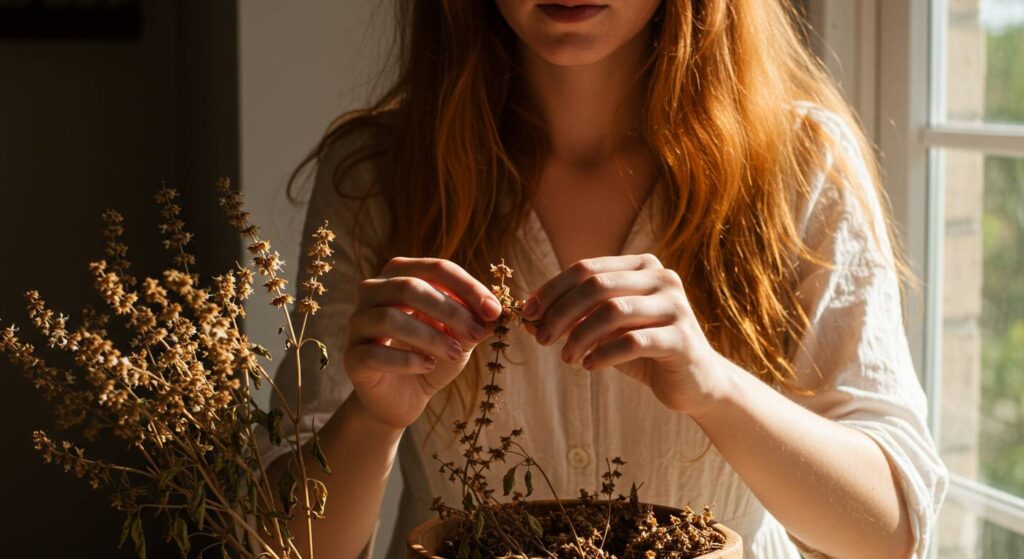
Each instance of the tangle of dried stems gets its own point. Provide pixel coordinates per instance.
(175, 384)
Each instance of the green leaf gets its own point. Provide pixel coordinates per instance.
(324, 360)
(258, 416)
(286, 490)
(538, 530)
(528, 478)
(274, 425)
(463, 552)
(253, 502)
(508, 483)
(138, 537)
(478, 525)
(180, 534)
(467, 502)
(261, 351)
(197, 504)
(318, 453)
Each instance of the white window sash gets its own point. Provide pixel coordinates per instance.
(997, 507)
(989, 138)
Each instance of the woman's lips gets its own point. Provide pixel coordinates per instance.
(571, 14)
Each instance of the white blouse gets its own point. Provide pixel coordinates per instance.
(574, 419)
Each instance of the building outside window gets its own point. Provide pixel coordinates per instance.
(975, 140)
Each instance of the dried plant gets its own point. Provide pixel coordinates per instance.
(179, 392)
(598, 525)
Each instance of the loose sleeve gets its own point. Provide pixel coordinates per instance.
(323, 391)
(855, 350)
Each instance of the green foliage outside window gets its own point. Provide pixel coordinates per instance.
(1001, 436)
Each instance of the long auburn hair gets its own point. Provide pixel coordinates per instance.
(717, 91)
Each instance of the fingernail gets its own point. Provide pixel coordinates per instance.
(543, 335)
(566, 355)
(454, 349)
(429, 362)
(587, 362)
(477, 330)
(530, 308)
(491, 308)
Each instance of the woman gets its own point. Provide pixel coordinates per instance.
(693, 217)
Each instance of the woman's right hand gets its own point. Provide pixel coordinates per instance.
(412, 332)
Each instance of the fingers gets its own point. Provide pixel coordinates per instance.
(653, 343)
(384, 359)
(615, 316)
(389, 323)
(546, 295)
(429, 304)
(583, 297)
(451, 278)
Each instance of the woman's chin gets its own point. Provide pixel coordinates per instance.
(574, 50)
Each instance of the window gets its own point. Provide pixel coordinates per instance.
(955, 172)
(975, 138)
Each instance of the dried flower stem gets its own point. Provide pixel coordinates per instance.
(268, 264)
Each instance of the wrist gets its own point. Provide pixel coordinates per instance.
(723, 390)
(365, 420)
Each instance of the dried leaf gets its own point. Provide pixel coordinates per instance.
(528, 479)
(319, 499)
(138, 537)
(261, 351)
(318, 453)
(125, 530)
(286, 491)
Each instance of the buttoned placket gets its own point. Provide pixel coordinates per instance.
(580, 454)
(581, 435)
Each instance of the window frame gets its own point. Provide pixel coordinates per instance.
(909, 134)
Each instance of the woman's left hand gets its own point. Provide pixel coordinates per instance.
(631, 313)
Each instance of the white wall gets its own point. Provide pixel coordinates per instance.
(301, 63)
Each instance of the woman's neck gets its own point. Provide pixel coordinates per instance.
(589, 110)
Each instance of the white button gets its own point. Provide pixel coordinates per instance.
(579, 457)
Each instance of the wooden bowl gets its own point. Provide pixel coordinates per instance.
(427, 537)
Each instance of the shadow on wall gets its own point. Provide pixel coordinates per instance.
(88, 124)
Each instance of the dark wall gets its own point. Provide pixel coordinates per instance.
(87, 124)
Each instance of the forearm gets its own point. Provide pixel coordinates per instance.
(361, 452)
(830, 485)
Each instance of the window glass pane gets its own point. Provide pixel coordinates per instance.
(984, 61)
(982, 370)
